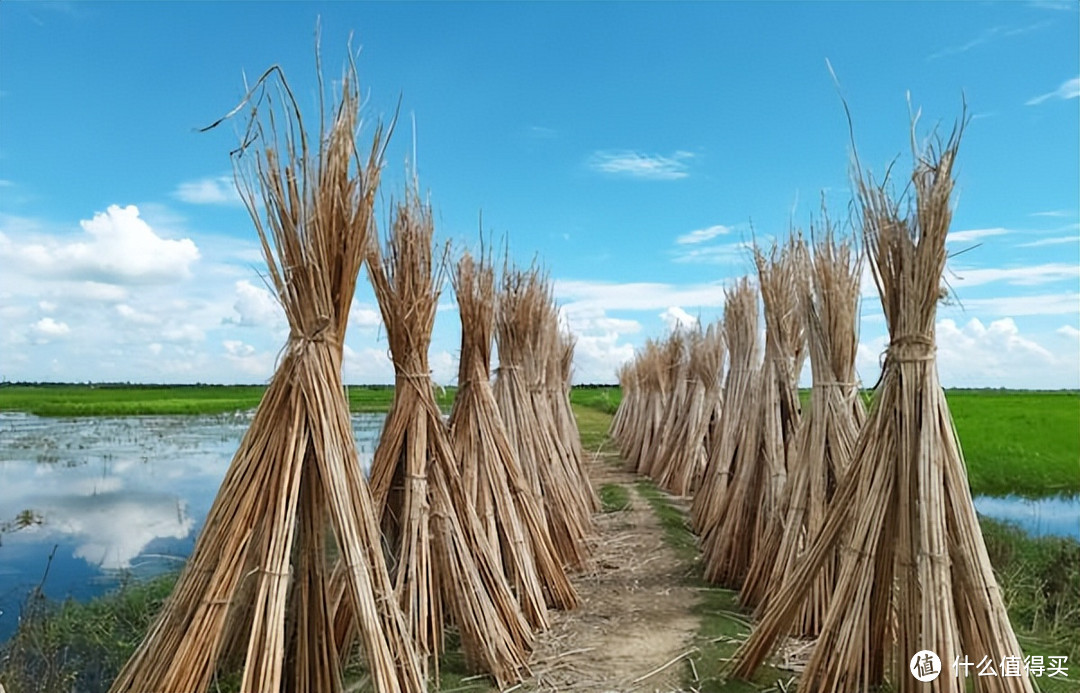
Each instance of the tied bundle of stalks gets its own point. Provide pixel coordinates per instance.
(671, 373)
(735, 434)
(254, 595)
(505, 503)
(830, 428)
(621, 422)
(757, 505)
(650, 419)
(444, 565)
(526, 333)
(685, 458)
(914, 572)
(560, 377)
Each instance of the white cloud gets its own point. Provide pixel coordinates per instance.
(996, 355)
(675, 317)
(247, 359)
(1069, 89)
(597, 357)
(1055, 214)
(1015, 276)
(47, 328)
(701, 235)
(576, 295)
(728, 253)
(96, 291)
(1069, 332)
(367, 366)
(134, 316)
(1058, 240)
(973, 234)
(209, 191)
(637, 165)
(47, 306)
(183, 333)
(1015, 306)
(600, 345)
(256, 306)
(988, 36)
(364, 316)
(121, 249)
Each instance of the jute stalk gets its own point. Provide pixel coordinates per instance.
(914, 572)
(444, 565)
(253, 597)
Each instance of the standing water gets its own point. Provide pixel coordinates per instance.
(1057, 516)
(115, 496)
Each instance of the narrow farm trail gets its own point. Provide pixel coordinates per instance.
(637, 613)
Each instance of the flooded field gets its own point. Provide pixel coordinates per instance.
(110, 498)
(1057, 516)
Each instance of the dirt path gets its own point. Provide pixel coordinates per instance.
(636, 615)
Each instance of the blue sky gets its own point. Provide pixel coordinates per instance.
(631, 147)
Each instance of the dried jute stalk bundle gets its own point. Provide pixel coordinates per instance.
(672, 369)
(619, 430)
(526, 334)
(558, 383)
(830, 426)
(684, 460)
(914, 572)
(755, 503)
(651, 422)
(737, 438)
(506, 505)
(444, 567)
(254, 597)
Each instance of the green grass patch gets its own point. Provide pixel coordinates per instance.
(604, 398)
(1040, 582)
(677, 532)
(70, 645)
(614, 498)
(140, 400)
(1025, 443)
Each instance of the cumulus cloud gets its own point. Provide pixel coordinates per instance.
(1069, 332)
(209, 191)
(644, 166)
(675, 318)
(47, 328)
(1069, 89)
(367, 366)
(975, 354)
(597, 357)
(135, 316)
(364, 315)
(600, 346)
(701, 235)
(255, 306)
(247, 359)
(120, 248)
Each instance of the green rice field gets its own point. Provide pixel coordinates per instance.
(1015, 442)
